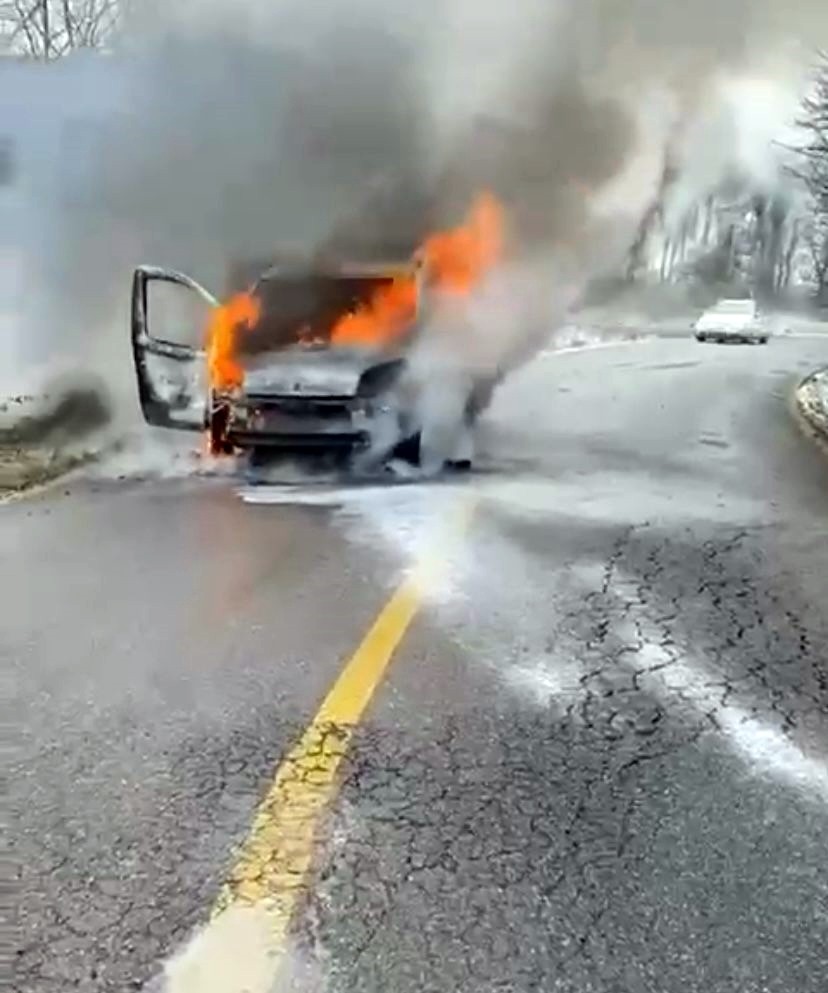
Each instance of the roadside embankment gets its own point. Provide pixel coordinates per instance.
(43, 436)
(811, 400)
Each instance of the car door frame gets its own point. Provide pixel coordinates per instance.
(156, 410)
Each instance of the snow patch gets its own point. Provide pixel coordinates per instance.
(679, 678)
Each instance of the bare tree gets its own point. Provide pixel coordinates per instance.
(812, 170)
(653, 216)
(816, 241)
(813, 152)
(769, 227)
(47, 29)
(785, 266)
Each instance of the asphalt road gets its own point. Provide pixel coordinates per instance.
(599, 761)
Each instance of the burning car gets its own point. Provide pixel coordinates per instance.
(313, 357)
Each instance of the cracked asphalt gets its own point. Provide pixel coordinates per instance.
(598, 763)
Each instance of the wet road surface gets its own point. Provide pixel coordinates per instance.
(599, 760)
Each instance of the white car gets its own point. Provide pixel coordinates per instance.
(732, 320)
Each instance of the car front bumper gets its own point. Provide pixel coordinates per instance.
(287, 423)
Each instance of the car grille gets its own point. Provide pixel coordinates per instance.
(317, 407)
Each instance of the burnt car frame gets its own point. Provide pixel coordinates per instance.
(300, 396)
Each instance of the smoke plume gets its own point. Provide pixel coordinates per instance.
(356, 126)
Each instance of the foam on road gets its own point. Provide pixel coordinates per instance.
(597, 763)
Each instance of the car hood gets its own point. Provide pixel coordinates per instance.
(321, 372)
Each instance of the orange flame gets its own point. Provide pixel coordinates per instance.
(455, 262)
(386, 315)
(240, 311)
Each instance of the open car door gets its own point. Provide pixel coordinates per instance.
(171, 366)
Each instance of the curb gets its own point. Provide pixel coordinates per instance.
(38, 477)
(808, 410)
(48, 473)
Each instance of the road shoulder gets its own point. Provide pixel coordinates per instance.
(809, 407)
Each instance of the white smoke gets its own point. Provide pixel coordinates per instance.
(243, 127)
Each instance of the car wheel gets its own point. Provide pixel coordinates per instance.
(408, 450)
(701, 337)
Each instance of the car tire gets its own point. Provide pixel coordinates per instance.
(408, 450)
(701, 337)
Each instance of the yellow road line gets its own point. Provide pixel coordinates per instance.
(274, 860)
(243, 947)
